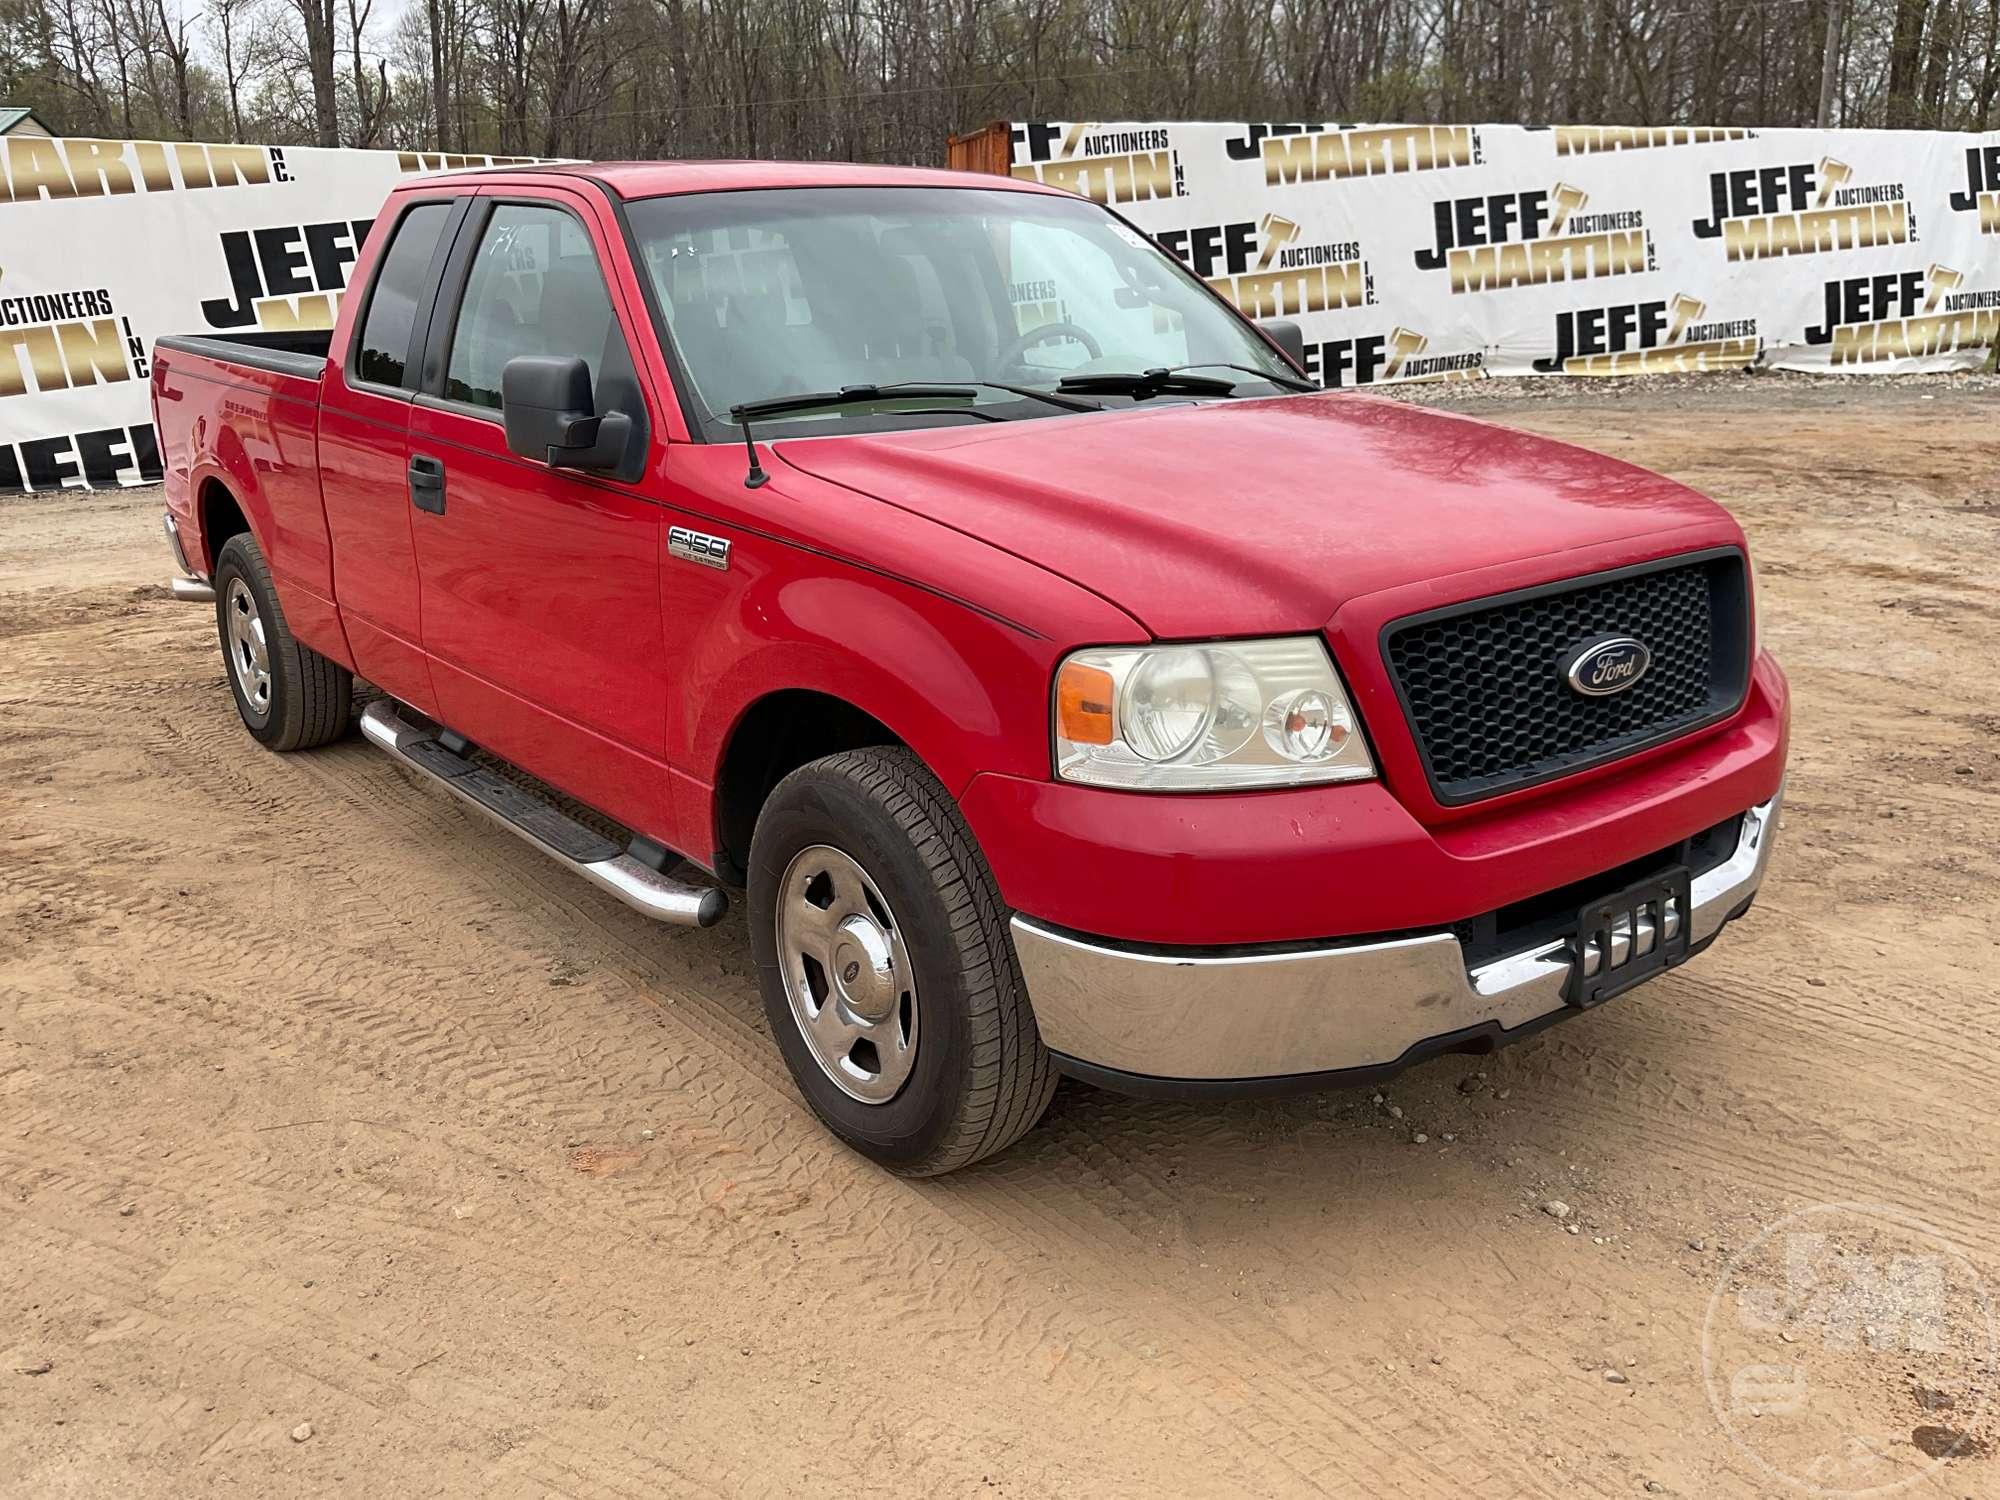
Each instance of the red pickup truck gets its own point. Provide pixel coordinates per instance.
(1070, 685)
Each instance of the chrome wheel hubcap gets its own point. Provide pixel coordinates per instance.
(249, 656)
(847, 974)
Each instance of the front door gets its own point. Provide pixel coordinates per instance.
(541, 586)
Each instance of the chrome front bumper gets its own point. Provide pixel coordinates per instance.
(1169, 1017)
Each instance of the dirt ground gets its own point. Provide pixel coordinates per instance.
(321, 1103)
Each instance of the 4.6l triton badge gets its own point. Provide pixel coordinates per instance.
(1610, 664)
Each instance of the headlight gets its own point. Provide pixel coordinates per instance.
(1236, 714)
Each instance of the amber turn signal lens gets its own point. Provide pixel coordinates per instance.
(1083, 704)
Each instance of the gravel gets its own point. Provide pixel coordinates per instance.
(1674, 390)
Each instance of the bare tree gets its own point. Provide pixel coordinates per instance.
(238, 54)
(371, 97)
(1905, 59)
(320, 24)
(166, 58)
(889, 79)
(443, 18)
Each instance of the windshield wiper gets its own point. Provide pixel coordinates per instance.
(854, 395)
(1030, 393)
(1288, 382)
(1140, 384)
(850, 395)
(847, 395)
(1173, 380)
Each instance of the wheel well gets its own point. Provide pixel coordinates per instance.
(777, 736)
(221, 519)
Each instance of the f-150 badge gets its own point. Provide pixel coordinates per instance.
(698, 547)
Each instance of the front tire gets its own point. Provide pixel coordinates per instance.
(290, 697)
(889, 980)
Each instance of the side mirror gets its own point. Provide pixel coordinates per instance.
(1289, 337)
(546, 403)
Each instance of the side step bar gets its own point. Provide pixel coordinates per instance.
(546, 826)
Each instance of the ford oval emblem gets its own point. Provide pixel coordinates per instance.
(1610, 664)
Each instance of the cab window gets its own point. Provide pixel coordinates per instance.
(534, 287)
(401, 287)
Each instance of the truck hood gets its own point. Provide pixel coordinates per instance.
(1235, 517)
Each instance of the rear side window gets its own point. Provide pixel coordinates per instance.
(534, 288)
(400, 288)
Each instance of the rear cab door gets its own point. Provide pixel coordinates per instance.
(541, 586)
(371, 377)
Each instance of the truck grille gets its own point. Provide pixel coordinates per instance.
(1483, 684)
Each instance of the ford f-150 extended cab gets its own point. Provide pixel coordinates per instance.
(1069, 685)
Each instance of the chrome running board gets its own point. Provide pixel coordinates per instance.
(542, 824)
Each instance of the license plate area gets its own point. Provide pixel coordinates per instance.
(1625, 939)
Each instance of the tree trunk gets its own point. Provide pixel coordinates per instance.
(1989, 73)
(1829, 72)
(229, 73)
(440, 75)
(1937, 72)
(1905, 59)
(319, 21)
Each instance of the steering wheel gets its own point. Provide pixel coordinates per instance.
(1061, 328)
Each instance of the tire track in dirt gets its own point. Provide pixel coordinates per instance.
(405, 1046)
(384, 1042)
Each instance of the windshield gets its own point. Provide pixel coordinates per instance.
(784, 292)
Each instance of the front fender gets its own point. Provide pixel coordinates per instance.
(965, 691)
(941, 636)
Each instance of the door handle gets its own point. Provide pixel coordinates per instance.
(427, 484)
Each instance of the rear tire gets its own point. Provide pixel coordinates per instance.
(863, 859)
(290, 697)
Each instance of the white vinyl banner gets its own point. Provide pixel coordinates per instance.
(1406, 252)
(1429, 252)
(106, 245)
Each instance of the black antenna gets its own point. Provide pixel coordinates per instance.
(756, 478)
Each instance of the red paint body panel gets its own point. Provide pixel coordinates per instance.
(935, 579)
(1248, 517)
(542, 616)
(255, 433)
(363, 451)
(923, 627)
